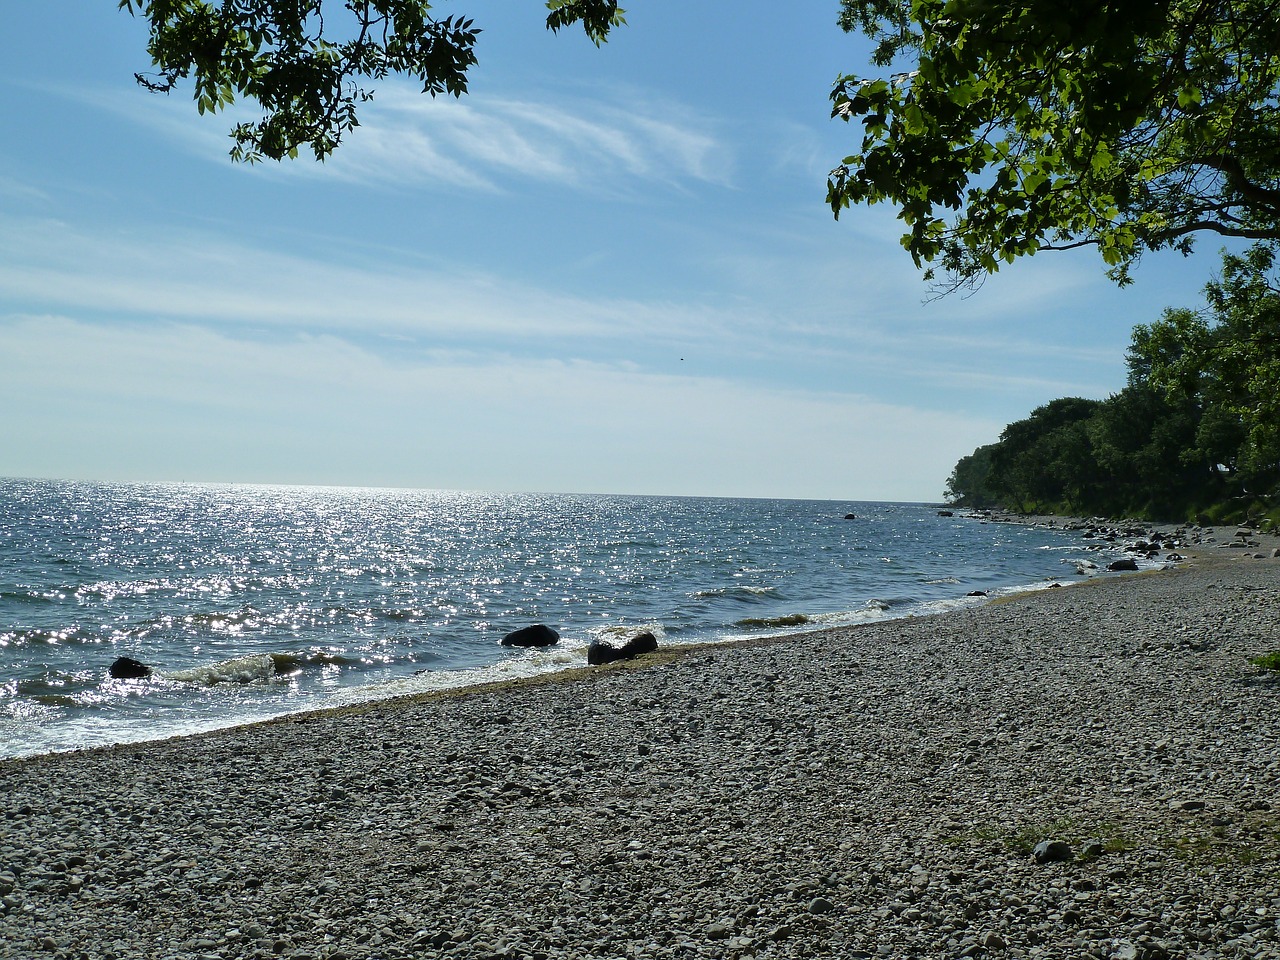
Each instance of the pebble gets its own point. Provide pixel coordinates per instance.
(868, 792)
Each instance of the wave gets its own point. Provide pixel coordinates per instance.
(251, 618)
(740, 594)
(406, 615)
(27, 597)
(54, 637)
(618, 634)
(255, 668)
(765, 623)
(292, 662)
(57, 700)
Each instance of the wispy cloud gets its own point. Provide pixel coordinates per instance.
(13, 189)
(488, 142)
(197, 276)
(795, 332)
(614, 142)
(318, 409)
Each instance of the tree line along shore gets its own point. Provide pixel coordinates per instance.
(1193, 435)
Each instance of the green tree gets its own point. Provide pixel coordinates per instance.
(1226, 361)
(1196, 428)
(1045, 462)
(969, 483)
(1242, 361)
(1013, 127)
(1146, 451)
(308, 63)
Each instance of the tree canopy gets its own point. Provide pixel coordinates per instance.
(309, 63)
(1012, 127)
(1196, 428)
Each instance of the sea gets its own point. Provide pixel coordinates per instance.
(250, 602)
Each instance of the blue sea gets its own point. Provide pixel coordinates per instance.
(256, 601)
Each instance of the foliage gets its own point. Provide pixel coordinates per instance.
(1128, 125)
(307, 63)
(1228, 362)
(969, 483)
(1268, 661)
(1140, 441)
(1196, 428)
(1045, 459)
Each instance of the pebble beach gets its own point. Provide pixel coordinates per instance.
(1084, 772)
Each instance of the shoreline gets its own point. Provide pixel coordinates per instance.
(1192, 538)
(867, 791)
(668, 650)
(136, 729)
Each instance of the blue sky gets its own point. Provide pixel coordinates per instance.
(604, 270)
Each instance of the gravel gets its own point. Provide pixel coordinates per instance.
(871, 792)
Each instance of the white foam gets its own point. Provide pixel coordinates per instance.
(256, 668)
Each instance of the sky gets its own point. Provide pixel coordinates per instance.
(601, 271)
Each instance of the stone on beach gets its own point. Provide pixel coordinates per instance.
(1052, 851)
(600, 653)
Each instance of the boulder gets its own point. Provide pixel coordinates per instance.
(945, 513)
(641, 643)
(1052, 851)
(538, 635)
(601, 653)
(127, 668)
(1124, 563)
(851, 516)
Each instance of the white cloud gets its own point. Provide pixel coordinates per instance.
(22, 192)
(791, 330)
(185, 403)
(486, 143)
(200, 276)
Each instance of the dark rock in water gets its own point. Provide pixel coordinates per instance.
(600, 653)
(127, 668)
(977, 593)
(851, 516)
(945, 513)
(538, 635)
(1125, 563)
(1052, 851)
